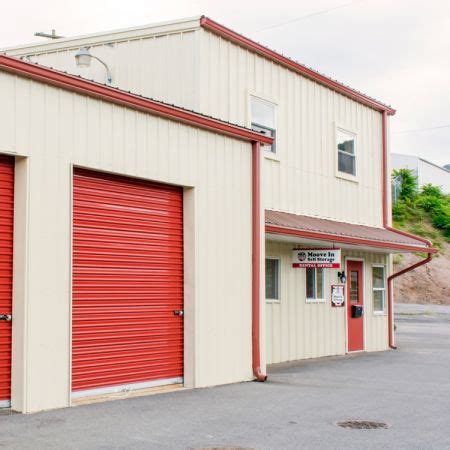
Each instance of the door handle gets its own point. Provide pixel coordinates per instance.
(178, 312)
(6, 317)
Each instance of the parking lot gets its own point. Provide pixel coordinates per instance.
(407, 389)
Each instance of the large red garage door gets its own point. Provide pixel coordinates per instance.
(6, 260)
(127, 282)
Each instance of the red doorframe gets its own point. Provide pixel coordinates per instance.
(355, 297)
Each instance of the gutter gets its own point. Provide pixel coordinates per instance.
(430, 250)
(256, 262)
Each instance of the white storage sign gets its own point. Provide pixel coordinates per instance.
(317, 257)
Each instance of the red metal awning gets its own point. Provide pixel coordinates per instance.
(315, 229)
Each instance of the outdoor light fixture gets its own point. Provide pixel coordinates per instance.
(83, 59)
(342, 277)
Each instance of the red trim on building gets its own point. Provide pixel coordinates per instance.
(253, 46)
(346, 239)
(113, 95)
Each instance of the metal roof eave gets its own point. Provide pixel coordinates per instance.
(349, 240)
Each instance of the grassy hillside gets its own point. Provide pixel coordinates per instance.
(425, 211)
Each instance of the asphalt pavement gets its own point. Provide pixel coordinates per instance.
(407, 389)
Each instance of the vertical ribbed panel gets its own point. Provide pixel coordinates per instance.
(6, 270)
(303, 180)
(127, 281)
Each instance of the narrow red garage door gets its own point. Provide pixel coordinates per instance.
(6, 260)
(127, 282)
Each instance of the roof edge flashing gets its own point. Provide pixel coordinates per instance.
(350, 240)
(310, 73)
(152, 29)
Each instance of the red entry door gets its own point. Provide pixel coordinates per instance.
(355, 298)
(6, 272)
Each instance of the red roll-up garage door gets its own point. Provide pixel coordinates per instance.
(127, 282)
(6, 272)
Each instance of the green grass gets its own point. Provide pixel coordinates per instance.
(424, 212)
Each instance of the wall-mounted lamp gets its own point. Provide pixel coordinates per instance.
(83, 59)
(342, 277)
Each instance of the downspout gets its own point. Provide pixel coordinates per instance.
(390, 290)
(390, 295)
(256, 261)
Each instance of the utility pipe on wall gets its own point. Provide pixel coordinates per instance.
(256, 261)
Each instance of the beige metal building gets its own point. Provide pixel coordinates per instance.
(320, 188)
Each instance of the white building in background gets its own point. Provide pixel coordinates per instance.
(426, 171)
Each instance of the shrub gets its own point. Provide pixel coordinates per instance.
(432, 191)
(408, 183)
(414, 206)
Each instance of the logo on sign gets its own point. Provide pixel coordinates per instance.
(301, 256)
(317, 258)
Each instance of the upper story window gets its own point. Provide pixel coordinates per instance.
(346, 149)
(263, 119)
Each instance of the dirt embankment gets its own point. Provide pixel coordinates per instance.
(427, 284)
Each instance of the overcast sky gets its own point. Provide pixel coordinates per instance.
(395, 51)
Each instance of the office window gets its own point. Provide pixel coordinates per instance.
(379, 288)
(272, 279)
(346, 148)
(263, 120)
(315, 280)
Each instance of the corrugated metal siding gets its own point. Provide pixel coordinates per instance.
(299, 330)
(127, 281)
(67, 129)
(163, 67)
(199, 70)
(6, 270)
(303, 181)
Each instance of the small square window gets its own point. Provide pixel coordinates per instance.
(263, 119)
(315, 280)
(272, 279)
(346, 148)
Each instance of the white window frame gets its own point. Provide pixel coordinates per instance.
(272, 102)
(274, 300)
(382, 312)
(324, 282)
(354, 134)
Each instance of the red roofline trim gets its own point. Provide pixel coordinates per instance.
(247, 43)
(346, 239)
(119, 97)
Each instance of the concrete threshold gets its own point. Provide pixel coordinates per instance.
(126, 394)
